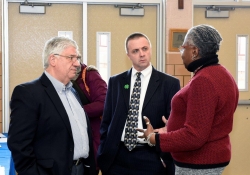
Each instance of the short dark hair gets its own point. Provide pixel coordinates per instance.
(133, 36)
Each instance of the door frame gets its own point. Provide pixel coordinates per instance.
(160, 40)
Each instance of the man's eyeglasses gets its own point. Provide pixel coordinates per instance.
(72, 58)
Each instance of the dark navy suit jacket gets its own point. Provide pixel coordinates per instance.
(157, 102)
(40, 137)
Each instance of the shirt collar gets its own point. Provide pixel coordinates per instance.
(59, 86)
(145, 72)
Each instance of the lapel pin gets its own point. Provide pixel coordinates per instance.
(126, 86)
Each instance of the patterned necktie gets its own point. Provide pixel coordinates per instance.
(130, 137)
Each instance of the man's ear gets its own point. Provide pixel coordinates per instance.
(52, 60)
(128, 56)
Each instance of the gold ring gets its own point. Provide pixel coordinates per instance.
(147, 123)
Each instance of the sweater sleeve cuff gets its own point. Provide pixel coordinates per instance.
(157, 142)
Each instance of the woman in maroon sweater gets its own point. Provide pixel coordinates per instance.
(202, 112)
(92, 90)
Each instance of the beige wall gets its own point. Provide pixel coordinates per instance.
(24, 51)
(229, 28)
(177, 19)
(29, 32)
(27, 36)
(106, 18)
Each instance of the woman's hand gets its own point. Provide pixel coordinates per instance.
(149, 133)
(163, 129)
(149, 129)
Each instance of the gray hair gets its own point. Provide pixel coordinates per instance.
(56, 45)
(206, 38)
(133, 36)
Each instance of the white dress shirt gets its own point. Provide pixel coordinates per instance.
(145, 76)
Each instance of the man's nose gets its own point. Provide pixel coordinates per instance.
(141, 53)
(76, 63)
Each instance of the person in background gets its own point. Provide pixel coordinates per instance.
(92, 91)
(117, 154)
(49, 133)
(202, 112)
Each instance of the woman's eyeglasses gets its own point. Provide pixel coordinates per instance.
(182, 48)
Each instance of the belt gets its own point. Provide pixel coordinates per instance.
(139, 145)
(79, 161)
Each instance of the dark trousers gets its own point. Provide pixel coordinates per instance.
(140, 161)
(78, 169)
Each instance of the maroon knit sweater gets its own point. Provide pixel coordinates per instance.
(201, 120)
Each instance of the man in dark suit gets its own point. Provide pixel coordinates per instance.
(49, 132)
(156, 91)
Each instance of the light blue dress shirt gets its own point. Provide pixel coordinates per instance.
(76, 116)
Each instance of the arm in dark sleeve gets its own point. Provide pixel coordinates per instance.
(173, 89)
(166, 156)
(22, 130)
(107, 117)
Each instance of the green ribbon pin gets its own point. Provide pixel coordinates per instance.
(126, 86)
